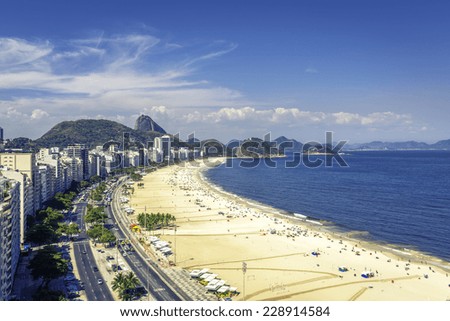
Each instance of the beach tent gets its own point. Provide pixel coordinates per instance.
(343, 269)
(205, 276)
(216, 286)
(213, 282)
(161, 244)
(198, 273)
(223, 289)
(211, 277)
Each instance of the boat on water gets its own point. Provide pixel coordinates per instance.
(301, 216)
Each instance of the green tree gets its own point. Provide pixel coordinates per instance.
(41, 234)
(135, 177)
(48, 264)
(123, 284)
(95, 179)
(53, 217)
(84, 184)
(43, 294)
(95, 214)
(100, 234)
(68, 229)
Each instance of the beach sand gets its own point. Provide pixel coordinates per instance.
(280, 266)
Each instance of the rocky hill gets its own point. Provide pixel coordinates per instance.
(91, 132)
(145, 124)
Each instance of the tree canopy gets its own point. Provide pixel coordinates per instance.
(101, 234)
(48, 264)
(154, 221)
(123, 283)
(95, 214)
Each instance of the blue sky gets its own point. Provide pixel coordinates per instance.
(366, 70)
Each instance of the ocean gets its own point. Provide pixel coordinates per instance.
(394, 197)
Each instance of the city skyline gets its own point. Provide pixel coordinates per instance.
(229, 70)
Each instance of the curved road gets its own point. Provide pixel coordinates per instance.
(86, 262)
(161, 287)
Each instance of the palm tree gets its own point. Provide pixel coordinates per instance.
(123, 283)
(118, 282)
(131, 280)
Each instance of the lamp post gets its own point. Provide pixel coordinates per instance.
(148, 278)
(175, 241)
(244, 270)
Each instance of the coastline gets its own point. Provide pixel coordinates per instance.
(281, 264)
(396, 250)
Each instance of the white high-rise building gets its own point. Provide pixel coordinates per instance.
(22, 168)
(26, 192)
(163, 144)
(9, 234)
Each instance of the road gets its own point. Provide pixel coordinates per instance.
(145, 269)
(85, 262)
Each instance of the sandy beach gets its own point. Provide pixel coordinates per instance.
(220, 231)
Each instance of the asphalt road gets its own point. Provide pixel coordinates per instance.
(145, 270)
(85, 262)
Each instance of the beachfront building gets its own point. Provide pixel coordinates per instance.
(183, 153)
(47, 183)
(9, 234)
(75, 169)
(96, 167)
(50, 157)
(163, 145)
(24, 163)
(80, 153)
(26, 198)
(155, 155)
(1, 136)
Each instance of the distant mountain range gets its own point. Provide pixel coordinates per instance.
(285, 144)
(93, 132)
(409, 145)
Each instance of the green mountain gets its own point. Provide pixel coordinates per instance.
(92, 132)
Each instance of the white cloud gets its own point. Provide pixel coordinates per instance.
(116, 77)
(38, 114)
(92, 71)
(281, 115)
(211, 55)
(17, 52)
(343, 118)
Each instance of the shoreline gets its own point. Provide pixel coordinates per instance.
(277, 246)
(397, 250)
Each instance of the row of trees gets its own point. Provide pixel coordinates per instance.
(100, 234)
(97, 194)
(95, 214)
(47, 226)
(125, 284)
(61, 201)
(154, 221)
(96, 217)
(47, 264)
(136, 177)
